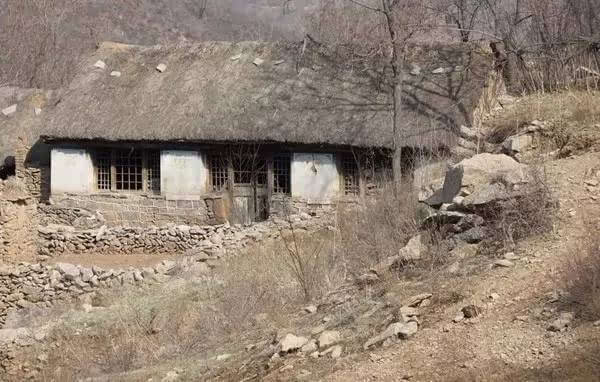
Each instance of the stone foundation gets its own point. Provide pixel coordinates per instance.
(131, 210)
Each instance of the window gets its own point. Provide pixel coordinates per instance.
(104, 172)
(281, 175)
(128, 170)
(350, 176)
(153, 171)
(219, 174)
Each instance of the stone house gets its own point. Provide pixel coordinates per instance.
(220, 131)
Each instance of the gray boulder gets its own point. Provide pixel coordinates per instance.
(477, 173)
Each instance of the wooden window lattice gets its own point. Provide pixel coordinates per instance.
(350, 175)
(218, 172)
(281, 175)
(104, 169)
(128, 166)
(153, 164)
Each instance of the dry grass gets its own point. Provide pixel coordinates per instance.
(376, 230)
(526, 214)
(571, 113)
(582, 275)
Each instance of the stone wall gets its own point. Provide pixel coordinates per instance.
(135, 210)
(57, 239)
(27, 286)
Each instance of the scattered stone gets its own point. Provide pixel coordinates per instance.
(291, 343)
(310, 309)
(518, 143)
(494, 296)
(562, 322)
(470, 311)
(328, 338)
(459, 317)
(100, 64)
(397, 329)
(592, 182)
(9, 110)
(597, 323)
(115, 73)
(171, 376)
(511, 256)
(87, 308)
(236, 57)
(161, 68)
(309, 347)
(416, 300)
(37, 111)
(223, 357)
(336, 351)
(258, 61)
(502, 263)
(522, 318)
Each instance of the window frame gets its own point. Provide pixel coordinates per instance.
(276, 188)
(355, 189)
(149, 158)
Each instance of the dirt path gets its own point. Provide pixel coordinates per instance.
(510, 340)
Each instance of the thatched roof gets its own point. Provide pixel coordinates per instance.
(255, 91)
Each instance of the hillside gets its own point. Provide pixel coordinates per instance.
(497, 285)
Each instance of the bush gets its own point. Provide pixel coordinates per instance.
(582, 275)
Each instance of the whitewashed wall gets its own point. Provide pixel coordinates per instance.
(315, 177)
(71, 171)
(183, 175)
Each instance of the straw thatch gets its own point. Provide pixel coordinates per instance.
(267, 92)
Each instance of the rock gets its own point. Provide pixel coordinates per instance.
(503, 263)
(223, 357)
(477, 172)
(468, 133)
(407, 311)
(9, 110)
(115, 73)
(291, 343)
(336, 351)
(309, 347)
(397, 329)
(100, 64)
(470, 311)
(510, 256)
(562, 322)
(442, 70)
(310, 309)
(596, 323)
(416, 300)
(161, 68)
(369, 278)
(473, 235)
(517, 143)
(413, 249)
(459, 317)
(69, 271)
(171, 376)
(37, 111)
(236, 57)
(86, 308)
(415, 70)
(328, 338)
(453, 268)
(494, 296)
(258, 61)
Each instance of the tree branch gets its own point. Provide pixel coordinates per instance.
(365, 6)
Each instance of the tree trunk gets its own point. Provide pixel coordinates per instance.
(398, 78)
(397, 134)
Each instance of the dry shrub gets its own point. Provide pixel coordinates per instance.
(582, 275)
(251, 293)
(378, 228)
(572, 110)
(529, 212)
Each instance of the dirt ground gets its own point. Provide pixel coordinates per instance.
(112, 261)
(510, 340)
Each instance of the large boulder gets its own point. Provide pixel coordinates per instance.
(475, 175)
